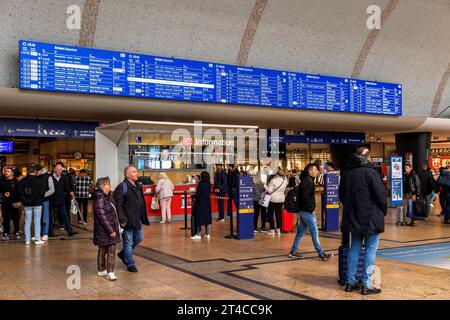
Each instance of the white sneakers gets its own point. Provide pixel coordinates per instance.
(35, 242)
(39, 242)
(278, 232)
(45, 238)
(197, 237)
(111, 276)
(103, 273)
(162, 222)
(271, 231)
(27, 242)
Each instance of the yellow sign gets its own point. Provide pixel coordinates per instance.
(333, 206)
(245, 210)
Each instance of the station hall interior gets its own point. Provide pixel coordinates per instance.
(260, 84)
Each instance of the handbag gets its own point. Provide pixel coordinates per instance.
(266, 197)
(155, 203)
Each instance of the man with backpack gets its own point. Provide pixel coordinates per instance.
(132, 212)
(306, 205)
(364, 199)
(31, 192)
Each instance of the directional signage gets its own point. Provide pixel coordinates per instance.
(54, 67)
(245, 210)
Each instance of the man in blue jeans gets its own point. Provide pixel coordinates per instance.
(48, 181)
(307, 205)
(131, 209)
(364, 199)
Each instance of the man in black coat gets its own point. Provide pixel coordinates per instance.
(221, 188)
(427, 183)
(9, 190)
(364, 200)
(412, 189)
(131, 208)
(58, 201)
(444, 184)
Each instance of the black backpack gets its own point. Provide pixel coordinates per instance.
(292, 201)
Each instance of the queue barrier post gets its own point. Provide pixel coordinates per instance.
(185, 211)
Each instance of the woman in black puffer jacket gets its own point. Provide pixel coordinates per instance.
(106, 228)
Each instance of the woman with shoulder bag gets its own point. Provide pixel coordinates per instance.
(106, 228)
(164, 189)
(276, 189)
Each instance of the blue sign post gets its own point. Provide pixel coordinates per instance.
(245, 210)
(330, 204)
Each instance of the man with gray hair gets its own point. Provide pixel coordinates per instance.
(131, 208)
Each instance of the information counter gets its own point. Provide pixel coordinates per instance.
(177, 204)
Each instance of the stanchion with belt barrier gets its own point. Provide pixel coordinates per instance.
(231, 235)
(185, 193)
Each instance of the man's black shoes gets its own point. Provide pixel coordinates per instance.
(365, 291)
(350, 288)
(132, 269)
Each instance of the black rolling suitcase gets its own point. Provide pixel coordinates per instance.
(343, 260)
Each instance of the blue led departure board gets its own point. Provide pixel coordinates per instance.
(54, 67)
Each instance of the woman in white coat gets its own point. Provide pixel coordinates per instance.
(164, 189)
(276, 189)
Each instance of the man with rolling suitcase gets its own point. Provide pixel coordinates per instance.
(363, 197)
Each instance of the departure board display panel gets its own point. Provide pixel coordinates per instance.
(53, 67)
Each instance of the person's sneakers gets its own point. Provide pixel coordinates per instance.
(325, 256)
(62, 229)
(18, 236)
(103, 273)
(111, 276)
(271, 231)
(220, 220)
(33, 238)
(132, 269)
(121, 257)
(5, 237)
(196, 237)
(255, 231)
(295, 255)
(278, 232)
(351, 287)
(39, 242)
(263, 231)
(45, 238)
(27, 242)
(73, 233)
(208, 236)
(367, 291)
(162, 222)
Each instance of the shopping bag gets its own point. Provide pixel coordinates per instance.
(420, 208)
(74, 207)
(155, 203)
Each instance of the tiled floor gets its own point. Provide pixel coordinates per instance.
(171, 266)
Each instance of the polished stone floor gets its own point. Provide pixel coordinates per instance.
(172, 266)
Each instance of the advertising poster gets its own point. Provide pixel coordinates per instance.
(396, 181)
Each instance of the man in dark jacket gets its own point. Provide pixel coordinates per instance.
(10, 211)
(427, 183)
(233, 181)
(58, 201)
(412, 190)
(131, 208)
(32, 192)
(221, 188)
(48, 181)
(307, 205)
(444, 183)
(364, 199)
